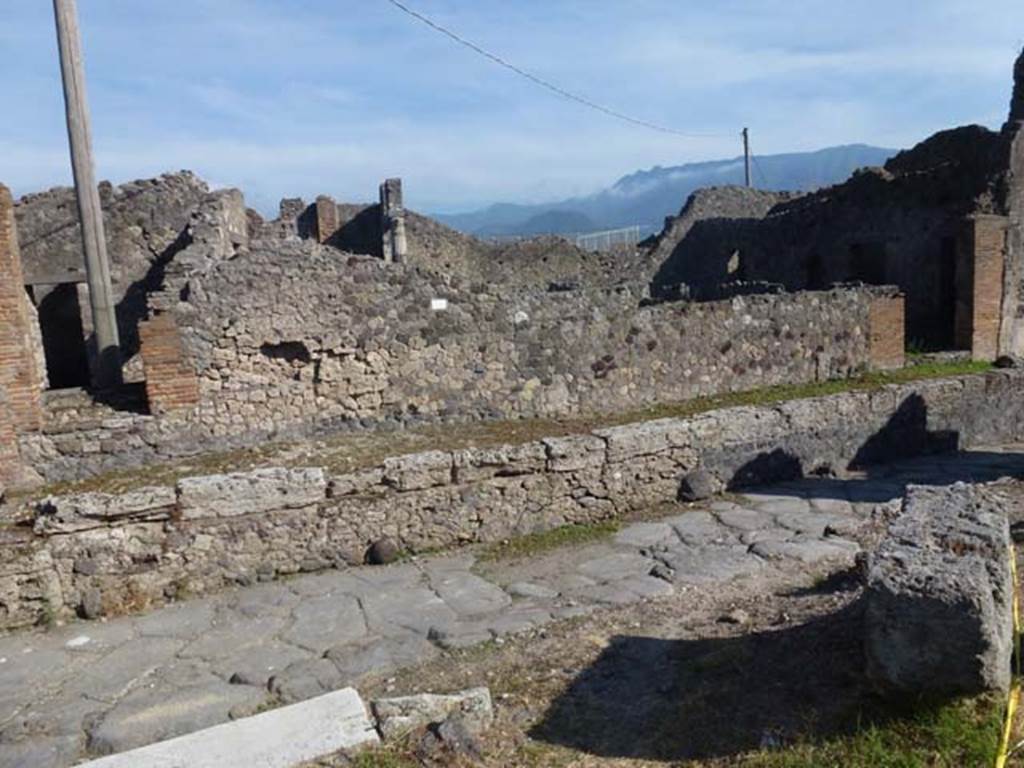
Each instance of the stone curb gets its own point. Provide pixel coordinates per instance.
(280, 738)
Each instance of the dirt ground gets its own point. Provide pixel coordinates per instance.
(698, 676)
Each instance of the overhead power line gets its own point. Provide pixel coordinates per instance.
(545, 83)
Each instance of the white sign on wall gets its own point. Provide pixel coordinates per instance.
(439, 305)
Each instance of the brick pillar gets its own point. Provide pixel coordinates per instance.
(19, 374)
(886, 333)
(326, 218)
(981, 251)
(171, 382)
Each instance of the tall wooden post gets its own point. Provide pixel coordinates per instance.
(746, 156)
(106, 363)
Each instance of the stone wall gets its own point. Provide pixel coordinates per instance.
(10, 457)
(281, 337)
(1011, 335)
(1016, 117)
(300, 339)
(150, 544)
(145, 223)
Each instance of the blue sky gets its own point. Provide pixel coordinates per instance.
(299, 97)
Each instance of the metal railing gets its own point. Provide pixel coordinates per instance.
(609, 238)
(604, 240)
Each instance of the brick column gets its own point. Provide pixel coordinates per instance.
(171, 382)
(19, 374)
(886, 333)
(326, 218)
(981, 252)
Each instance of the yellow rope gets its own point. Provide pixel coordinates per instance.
(1015, 689)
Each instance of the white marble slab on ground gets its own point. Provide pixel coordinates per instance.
(281, 738)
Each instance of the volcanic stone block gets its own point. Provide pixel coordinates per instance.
(242, 493)
(399, 715)
(82, 511)
(416, 471)
(938, 618)
(574, 452)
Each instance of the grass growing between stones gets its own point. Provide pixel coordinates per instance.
(956, 735)
(382, 758)
(347, 452)
(544, 541)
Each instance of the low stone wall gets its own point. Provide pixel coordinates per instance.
(108, 553)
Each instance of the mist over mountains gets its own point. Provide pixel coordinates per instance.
(647, 197)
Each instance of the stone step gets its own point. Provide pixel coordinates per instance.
(70, 410)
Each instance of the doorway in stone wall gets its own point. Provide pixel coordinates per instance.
(868, 263)
(945, 333)
(60, 323)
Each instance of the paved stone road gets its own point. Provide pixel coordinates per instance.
(93, 688)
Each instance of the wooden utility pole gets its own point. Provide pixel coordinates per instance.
(106, 362)
(746, 156)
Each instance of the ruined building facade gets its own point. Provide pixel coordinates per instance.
(335, 316)
(942, 221)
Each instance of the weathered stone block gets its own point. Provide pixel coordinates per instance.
(82, 511)
(243, 493)
(474, 464)
(402, 714)
(575, 452)
(418, 470)
(644, 438)
(354, 483)
(939, 598)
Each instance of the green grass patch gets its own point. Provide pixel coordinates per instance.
(381, 758)
(544, 541)
(962, 734)
(770, 395)
(347, 452)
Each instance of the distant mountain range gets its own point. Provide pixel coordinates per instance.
(647, 197)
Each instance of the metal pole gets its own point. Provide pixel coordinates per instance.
(106, 365)
(746, 156)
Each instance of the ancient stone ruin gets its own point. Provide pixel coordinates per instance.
(355, 383)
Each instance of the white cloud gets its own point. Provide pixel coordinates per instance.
(282, 101)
